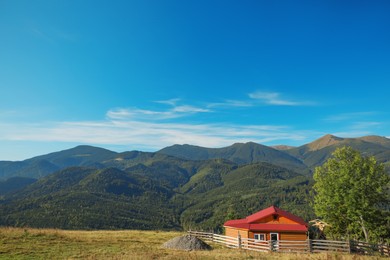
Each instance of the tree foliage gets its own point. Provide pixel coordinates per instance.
(351, 194)
(158, 195)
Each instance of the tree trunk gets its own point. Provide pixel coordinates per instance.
(364, 228)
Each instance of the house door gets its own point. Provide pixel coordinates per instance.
(274, 238)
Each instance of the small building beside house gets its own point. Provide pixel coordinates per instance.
(268, 224)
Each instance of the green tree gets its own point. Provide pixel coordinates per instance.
(352, 195)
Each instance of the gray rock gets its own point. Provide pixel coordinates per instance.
(186, 242)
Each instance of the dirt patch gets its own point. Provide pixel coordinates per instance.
(186, 242)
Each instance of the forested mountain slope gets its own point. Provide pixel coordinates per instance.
(240, 153)
(147, 197)
(178, 187)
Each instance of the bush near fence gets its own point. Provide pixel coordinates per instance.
(306, 246)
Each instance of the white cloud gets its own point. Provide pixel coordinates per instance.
(133, 113)
(171, 102)
(356, 124)
(52, 34)
(255, 98)
(232, 103)
(189, 109)
(149, 129)
(276, 99)
(365, 125)
(8, 114)
(147, 135)
(348, 116)
(174, 112)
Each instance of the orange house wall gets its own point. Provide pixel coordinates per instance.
(282, 235)
(233, 232)
(293, 236)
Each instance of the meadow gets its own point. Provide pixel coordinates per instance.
(26, 243)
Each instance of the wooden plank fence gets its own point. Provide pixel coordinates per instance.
(233, 242)
(305, 246)
(360, 247)
(255, 245)
(318, 246)
(293, 246)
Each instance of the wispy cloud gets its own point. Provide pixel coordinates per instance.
(150, 129)
(189, 109)
(147, 135)
(366, 125)
(175, 111)
(349, 116)
(355, 124)
(41, 34)
(134, 113)
(275, 99)
(8, 113)
(52, 34)
(232, 103)
(262, 98)
(171, 102)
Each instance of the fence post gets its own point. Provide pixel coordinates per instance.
(271, 245)
(385, 249)
(239, 240)
(309, 245)
(349, 246)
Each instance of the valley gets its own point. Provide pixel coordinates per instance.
(179, 187)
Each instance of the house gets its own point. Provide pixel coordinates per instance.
(268, 224)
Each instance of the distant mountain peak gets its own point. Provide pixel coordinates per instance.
(282, 147)
(376, 139)
(247, 144)
(326, 140)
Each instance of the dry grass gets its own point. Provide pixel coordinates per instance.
(16, 243)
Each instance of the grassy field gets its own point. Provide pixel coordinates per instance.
(16, 243)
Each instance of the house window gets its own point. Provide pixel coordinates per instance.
(260, 237)
(274, 236)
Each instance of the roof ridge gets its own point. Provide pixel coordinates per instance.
(270, 211)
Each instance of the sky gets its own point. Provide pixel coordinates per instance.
(143, 75)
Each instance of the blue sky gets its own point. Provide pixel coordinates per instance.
(142, 75)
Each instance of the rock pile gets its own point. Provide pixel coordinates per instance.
(186, 242)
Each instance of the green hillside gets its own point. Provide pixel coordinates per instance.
(89, 198)
(179, 187)
(240, 153)
(86, 198)
(43, 165)
(210, 199)
(14, 184)
(301, 159)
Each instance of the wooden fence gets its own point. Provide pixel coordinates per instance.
(360, 247)
(305, 246)
(317, 246)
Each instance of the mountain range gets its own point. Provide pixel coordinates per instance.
(181, 186)
(302, 159)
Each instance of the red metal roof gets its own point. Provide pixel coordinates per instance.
(271, 211)
(249, 222)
